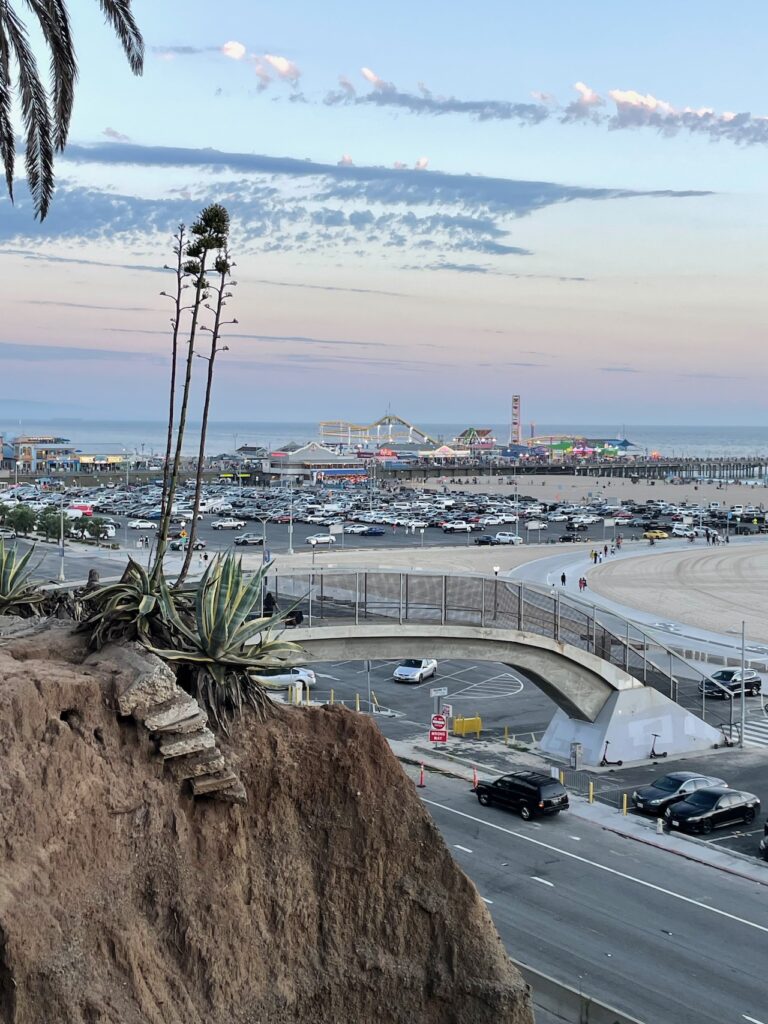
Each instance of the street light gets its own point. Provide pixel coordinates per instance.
(290, 519)
(496, 569)
(61, 539)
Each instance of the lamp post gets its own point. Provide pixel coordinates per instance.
(496, 569)
(743, 685)
(290, 519)
(61, 539)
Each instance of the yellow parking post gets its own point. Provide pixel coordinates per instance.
(375, 700)
(357, 702)
(562, 777)
(624, 805)
(331, 696)
(506, 735)
(591, 792)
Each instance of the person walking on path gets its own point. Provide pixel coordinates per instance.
(562, 579)
(605, 550)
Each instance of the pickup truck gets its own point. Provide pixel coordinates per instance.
(458, 527)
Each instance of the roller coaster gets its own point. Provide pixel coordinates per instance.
(387, 430)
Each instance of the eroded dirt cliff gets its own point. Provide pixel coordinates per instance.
(328, 897)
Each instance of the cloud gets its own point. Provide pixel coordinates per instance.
(285, 205)
(386, 95)
(233, 50)
(378, 83)
(346, 161)
(283, 68)
(85, 305)
(28, 353)
(619, 369)
(583, 108)
(421, 164)
(41, 257)
(115, 136)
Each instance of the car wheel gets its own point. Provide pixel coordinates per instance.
(706, 828)
(525, 812)
(749, 815)
(484, 799)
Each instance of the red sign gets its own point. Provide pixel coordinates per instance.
(438, 723)
(438, 736)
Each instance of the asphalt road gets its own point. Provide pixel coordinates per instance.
(654, 935)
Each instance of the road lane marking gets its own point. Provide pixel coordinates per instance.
(752, 1020)
(542, 880)
(601, 867)
(491, 902)
(457, 847)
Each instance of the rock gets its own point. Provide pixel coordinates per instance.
(180, 709)
(235, 794)
(211, 783)
(177, 744)
(188, 725)
(202, 762)
(141, 679)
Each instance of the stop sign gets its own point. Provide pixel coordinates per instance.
(438, 723)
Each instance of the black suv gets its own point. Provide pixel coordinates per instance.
(726, 683)
(530, 793)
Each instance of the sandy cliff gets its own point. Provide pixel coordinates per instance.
(328, 897)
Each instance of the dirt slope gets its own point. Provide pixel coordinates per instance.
(330, 897)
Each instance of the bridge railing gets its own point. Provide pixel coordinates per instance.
(334, 596)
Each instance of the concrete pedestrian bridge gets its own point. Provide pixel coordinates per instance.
(610, 681)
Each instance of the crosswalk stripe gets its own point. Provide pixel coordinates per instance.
(756, 733)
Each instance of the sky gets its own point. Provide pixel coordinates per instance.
(434, 207)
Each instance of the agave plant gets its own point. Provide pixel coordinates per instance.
(18, 595)
(210, 640)
(130, 609)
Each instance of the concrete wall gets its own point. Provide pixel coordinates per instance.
(568, 1004)
(580, 683)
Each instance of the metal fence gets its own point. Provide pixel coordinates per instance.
(332, 596)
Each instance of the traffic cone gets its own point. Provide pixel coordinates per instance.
(474, 778)
(421, 783)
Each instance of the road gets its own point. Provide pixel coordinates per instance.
(653, 935)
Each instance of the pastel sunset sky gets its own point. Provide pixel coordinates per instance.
(434, 205)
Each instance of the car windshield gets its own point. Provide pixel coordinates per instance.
(724, 676)
(411, 663)
(667, 784)
(703, 799)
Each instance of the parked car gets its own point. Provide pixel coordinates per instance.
(181, 544)
(508, 538)
(457, 528)
(249, 538)
(321, 538)
(355, 528)
(415, 670)
(228, 524)
(6, 533)
(142, 524)
(726, 683)
(536, 524)
(712, 808)
(282, 678)
(764, 842)
(529, 793)
(671, 788)
(485, 539)
(656, 535)
(374, 531)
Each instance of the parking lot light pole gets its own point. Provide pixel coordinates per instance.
(62, 577)
(496, 569)
(290, 520)
(743, 685)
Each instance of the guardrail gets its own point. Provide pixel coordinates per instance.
(328, 596)
(568, 1004)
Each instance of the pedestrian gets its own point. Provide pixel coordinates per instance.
(562, 579)
(605, 550)
(270, 605)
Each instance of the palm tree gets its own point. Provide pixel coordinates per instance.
(46, 115)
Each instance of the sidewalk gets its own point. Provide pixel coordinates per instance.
(633, 827)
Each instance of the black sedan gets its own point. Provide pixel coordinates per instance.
(669, 789)
(486, 539)
(373, 531)
(712, 808)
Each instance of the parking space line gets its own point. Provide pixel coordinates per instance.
(543, 881)
(464, 848)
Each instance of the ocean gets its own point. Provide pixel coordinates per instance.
(148, 436)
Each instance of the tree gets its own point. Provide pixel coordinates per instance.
(21, 519)
(95, 527)
(223, 269)
(49, 524)
(209, 235)
(46, 114)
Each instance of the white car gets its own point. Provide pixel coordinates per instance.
(508, 538)
(142, 524)
(415, 670)
(228, 524)
(356, 528)
(682, 531)
(536, 524)
(7, 534)
(282, 678)
(557, 517)
(321, 538)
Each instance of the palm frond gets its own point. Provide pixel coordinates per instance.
(35, 115)
(119, 15)
(7, 141)
(53, 18)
